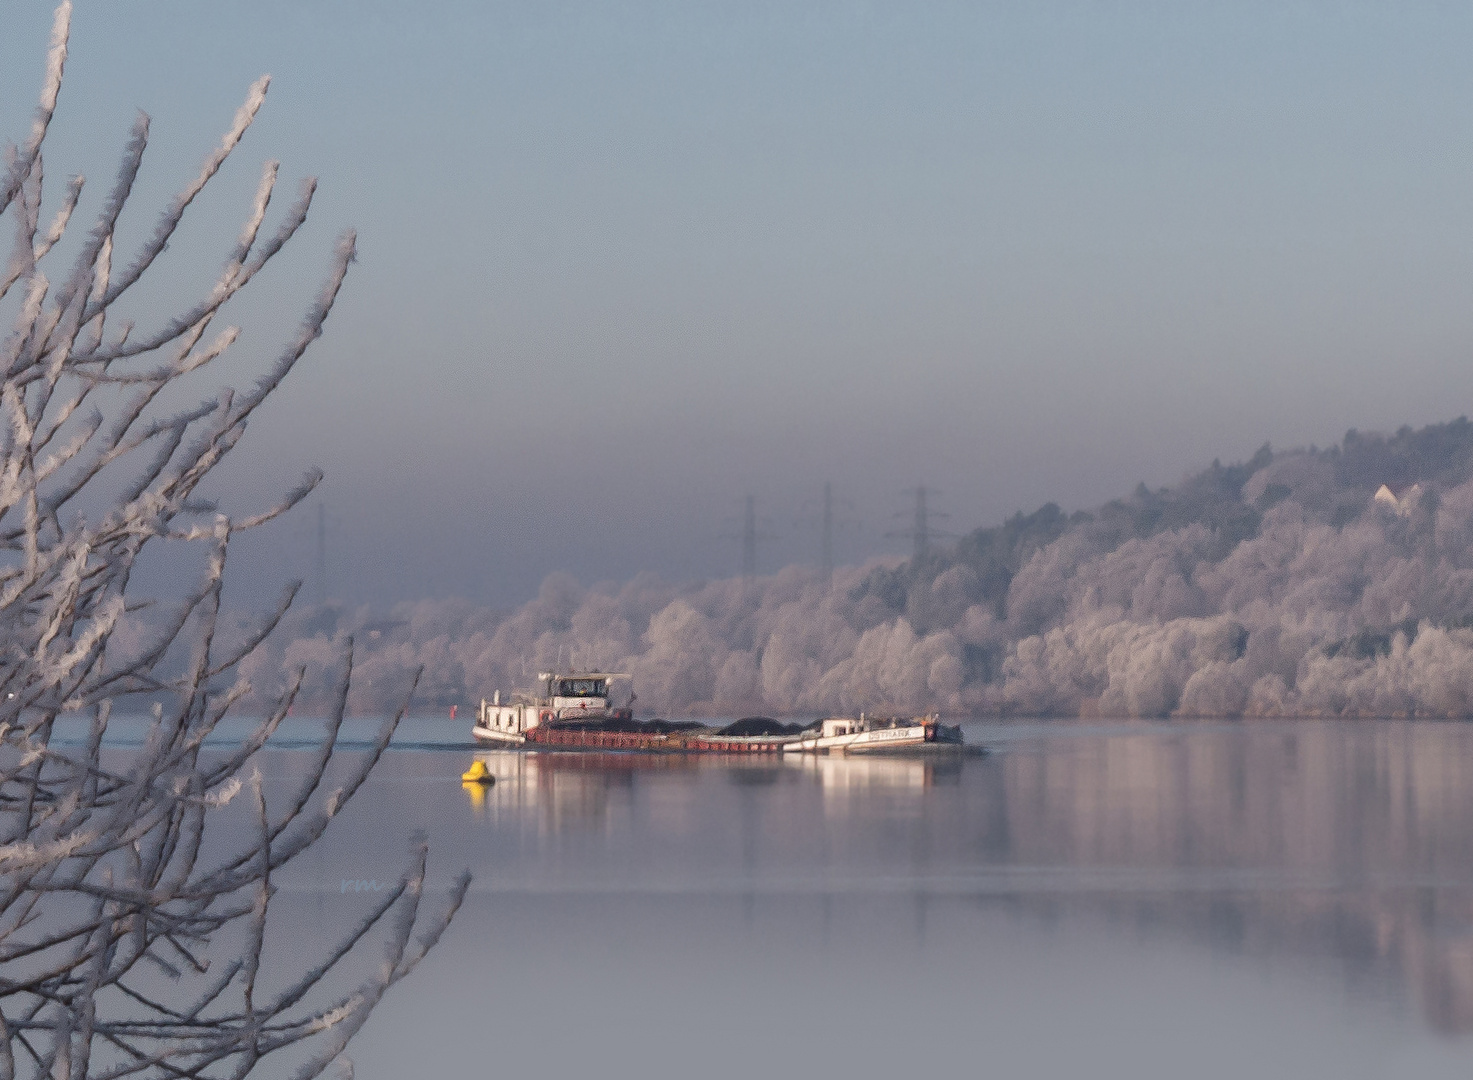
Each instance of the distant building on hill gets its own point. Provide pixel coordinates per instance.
(1402, 504)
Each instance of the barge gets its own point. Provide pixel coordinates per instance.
(594, 711)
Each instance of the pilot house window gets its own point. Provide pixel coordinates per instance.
(581, 688)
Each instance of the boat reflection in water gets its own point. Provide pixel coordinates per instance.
(890, 786)
(1340, 848)
(568, 790)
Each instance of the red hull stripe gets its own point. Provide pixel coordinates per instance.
(633, 740)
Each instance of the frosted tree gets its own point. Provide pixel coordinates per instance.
(133, 931)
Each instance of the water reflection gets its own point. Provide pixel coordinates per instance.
(566, 790)
(1348, 842)
(562, 790)
(848, 780)
(1348, 847)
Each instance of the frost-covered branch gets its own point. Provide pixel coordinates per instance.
(121, 876)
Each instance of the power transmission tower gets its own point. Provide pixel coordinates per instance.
(750, 535)
(828, 532)
(921, 530)
(321, 553)
(749, 539)
(921, 533)
(832, 518)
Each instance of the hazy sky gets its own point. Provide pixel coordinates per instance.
(622, 264)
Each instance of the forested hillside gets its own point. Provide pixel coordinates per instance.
(1279, 585)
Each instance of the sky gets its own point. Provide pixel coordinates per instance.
(623, 264)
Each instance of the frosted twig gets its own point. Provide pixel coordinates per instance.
(109, 870)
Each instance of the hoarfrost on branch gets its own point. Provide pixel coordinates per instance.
(111, 871)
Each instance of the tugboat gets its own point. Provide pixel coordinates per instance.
(577, 710)
(581, 697)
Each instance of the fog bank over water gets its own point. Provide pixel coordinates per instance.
(1278, 586)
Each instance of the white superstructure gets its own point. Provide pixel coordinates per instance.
(577, 695)
(848, 735)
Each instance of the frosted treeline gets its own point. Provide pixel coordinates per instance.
(1280, 586)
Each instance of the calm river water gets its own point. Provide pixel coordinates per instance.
(1172, 899)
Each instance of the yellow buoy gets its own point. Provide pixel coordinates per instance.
(477, 774)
